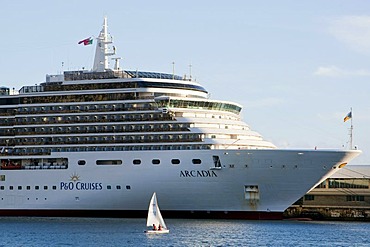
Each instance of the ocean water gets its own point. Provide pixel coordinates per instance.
(27, 231)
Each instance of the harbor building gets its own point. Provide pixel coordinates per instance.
(343, 196)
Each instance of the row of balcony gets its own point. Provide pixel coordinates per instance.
(32, 151)
(98, 118)
(89, 129)
(101, 139)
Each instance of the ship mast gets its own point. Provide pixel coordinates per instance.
(102, 51)
(351, 133)
(346, 118)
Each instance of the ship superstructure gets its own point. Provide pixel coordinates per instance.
(99, 140)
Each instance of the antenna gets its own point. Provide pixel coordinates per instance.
(173, 70)
(190, 71)
(116, 64)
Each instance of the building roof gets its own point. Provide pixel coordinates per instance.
(353, 171)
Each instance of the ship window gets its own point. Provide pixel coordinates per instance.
(11, 187)
(216, 161)
(19, 187)
(2, 187)
(128, 187)
(175, 161)
(136, 162)
(45, 187)
(357, 183)
(156, 162)
(37, 187)
(309, 197)
(109, 162)
(109, 187)
(81, 162)
(197, 161)
(54, 187)
(2, 177)
(118, 187)
(28, 187)
(355, 198)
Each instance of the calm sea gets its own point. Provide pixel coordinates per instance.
(26, 231)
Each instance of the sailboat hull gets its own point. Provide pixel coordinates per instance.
(157, 232)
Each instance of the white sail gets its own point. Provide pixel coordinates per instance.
(154, 214)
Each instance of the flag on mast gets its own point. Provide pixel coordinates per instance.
(87, 41)
(348, 116)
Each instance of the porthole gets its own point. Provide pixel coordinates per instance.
(81, 162)
(136, 162)
(156, 161)
(175, 161)
(197, 161)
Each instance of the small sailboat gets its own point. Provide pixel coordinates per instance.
(155, 220)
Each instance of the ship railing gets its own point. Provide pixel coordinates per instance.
(79, 98)
(99, 118)
(90, 110)
(137, 139)
(165, 145)
(10, 133)
(120, 130)
(7, 123)
(17, 153)
(7, 113)
(83, 75)
(45, 166)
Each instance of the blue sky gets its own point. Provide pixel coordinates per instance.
(297, 67)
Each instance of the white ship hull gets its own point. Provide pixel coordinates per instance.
(279, 177)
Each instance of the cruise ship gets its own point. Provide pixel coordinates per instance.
(99, 142)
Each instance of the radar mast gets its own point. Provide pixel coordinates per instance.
(102, 51)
